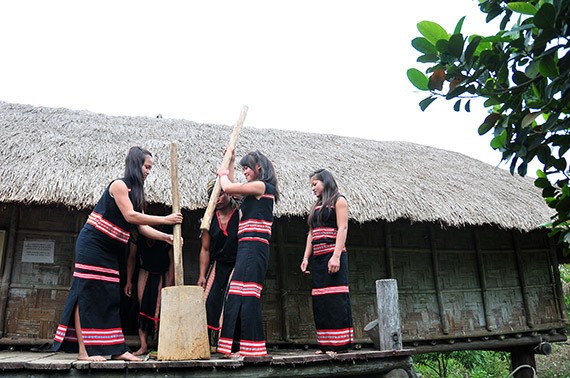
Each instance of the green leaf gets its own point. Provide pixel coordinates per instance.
(428, 58)
(455, 47)
(547, 66)
(499, 141)
(468, 106)
(529, 119)
(459, 25)
(457, 105)
(545, 16)
(519, 78)
(522, 7)
(540, 174)
(423, 45)
(470, 50)
(432, 32)
(542, 182)
(426, 102)
(418, 79)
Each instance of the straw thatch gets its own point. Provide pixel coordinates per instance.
(61, 156)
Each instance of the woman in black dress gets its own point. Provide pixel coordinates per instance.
(326, 252)
(90, 323)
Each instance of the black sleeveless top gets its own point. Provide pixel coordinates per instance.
(108, 219)
(223, 242)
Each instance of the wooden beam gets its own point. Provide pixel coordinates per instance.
(522, 280)
(482, 280)
(389, 258)
(439, 294)
(8, 266)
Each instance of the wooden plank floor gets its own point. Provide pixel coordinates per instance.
(283, 362)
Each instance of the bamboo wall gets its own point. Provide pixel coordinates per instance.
(453, 283)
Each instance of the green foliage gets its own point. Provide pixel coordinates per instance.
(523, 73)
(475, 364)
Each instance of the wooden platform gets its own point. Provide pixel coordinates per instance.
(280, 363)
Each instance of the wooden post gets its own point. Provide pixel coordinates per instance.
(522, 280)
(438, 292)
(209, 213)
(489, 323)
(390, 336)
(7, 274)
(177, 231)
(183, 325)
(522, 358)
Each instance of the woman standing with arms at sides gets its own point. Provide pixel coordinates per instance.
(242, 330)
(325, 247)
(90, 322)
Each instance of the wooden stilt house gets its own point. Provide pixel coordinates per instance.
(462, 238)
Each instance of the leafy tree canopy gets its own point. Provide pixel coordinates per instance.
(523, 74)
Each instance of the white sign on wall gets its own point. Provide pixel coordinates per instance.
(38, 251)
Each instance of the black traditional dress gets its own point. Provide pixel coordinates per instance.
(154, 259)
(95, 288)
(331, 301)
(223, 248)
(242, 328)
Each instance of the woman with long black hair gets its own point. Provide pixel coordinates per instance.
(90, 323)
(325, 249)
(242, 331)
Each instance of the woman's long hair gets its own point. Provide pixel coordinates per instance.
(267, 173)
(133, 174)
(328, 197)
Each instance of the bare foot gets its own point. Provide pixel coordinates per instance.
(127, 356)
(141, 351)
(90, 358)
(234, 355)
(330, 353)
(319, 352)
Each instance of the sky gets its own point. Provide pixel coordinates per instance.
(324, 66)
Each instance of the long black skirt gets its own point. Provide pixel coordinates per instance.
(217, 283)
(242, 329)
(95, 291)
(331, 304)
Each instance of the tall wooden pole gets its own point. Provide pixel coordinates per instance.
(207, 218)
(177, 232)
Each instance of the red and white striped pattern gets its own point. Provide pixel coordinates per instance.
(253, 239)
(96, 220)
(330, 290)
(255, 225)
(91, 272)
(225, 345)
(245, 289)
(320, 233)
(252, 348)
(324, 248)
(270, 196)
(65, 333)
(108, 336)
(335, 337)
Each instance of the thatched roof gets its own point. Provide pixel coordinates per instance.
(61, 156)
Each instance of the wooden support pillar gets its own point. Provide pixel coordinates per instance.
(389, 332)
(389, 258)
(556, 281)
(489, 324)
(522, 280)
(523, 358)
(439, 294)
(7, 274)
